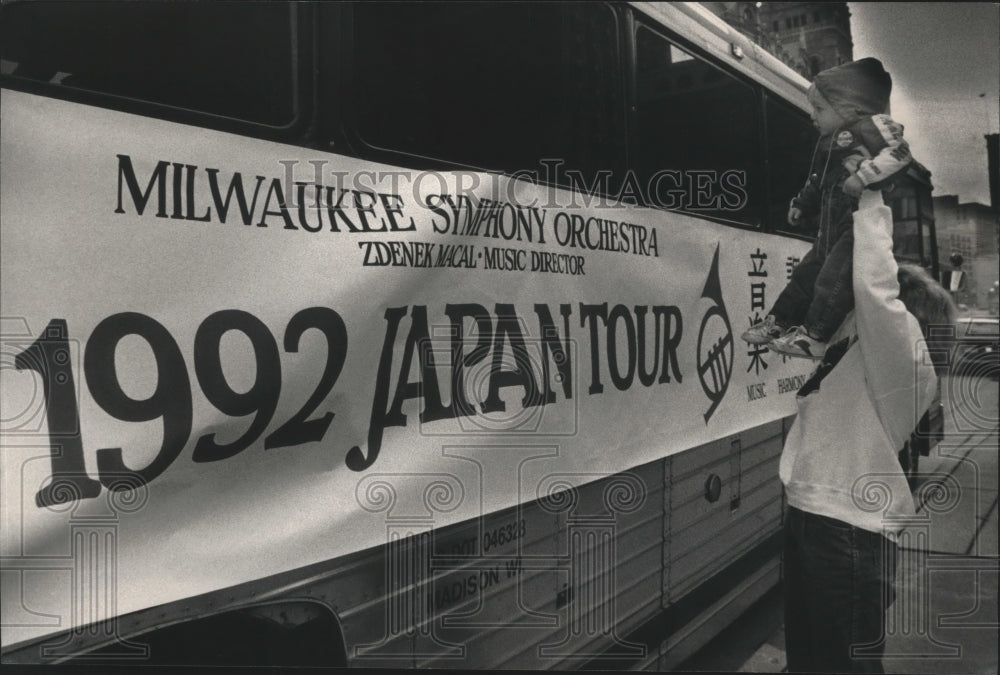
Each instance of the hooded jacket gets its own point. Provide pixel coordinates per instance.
(869, 145)
(871, 148)
(856, 89)
(859, 407)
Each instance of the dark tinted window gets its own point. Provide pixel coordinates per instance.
(906, 239)
(910, 233)
(491, 85)
(791, 141)
(225, 58)
(698, 135)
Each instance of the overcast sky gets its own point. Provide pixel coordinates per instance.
(941, 56)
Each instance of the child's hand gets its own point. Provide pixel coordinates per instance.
(794, 216)
(853, 186)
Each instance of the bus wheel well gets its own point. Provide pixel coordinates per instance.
(289, 633)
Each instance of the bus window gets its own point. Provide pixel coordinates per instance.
(928, 252)
(697, 146)
(907, 208)
(498, 86)
(906, 236)
(231, 59)
(791, 139)
(906, 239)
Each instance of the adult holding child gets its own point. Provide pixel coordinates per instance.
(847, 493)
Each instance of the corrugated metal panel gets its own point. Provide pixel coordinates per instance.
(700, 563)
(607, 606)
(704, 535)
(600, 572)
(633, 604)
(488, 575)
(524, 617)
(714, 618)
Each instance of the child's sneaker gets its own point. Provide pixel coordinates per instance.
(763, 331)
(797, 342)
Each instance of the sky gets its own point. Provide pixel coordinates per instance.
(941, 56)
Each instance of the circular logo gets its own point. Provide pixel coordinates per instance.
(844, 139)
(715, 356)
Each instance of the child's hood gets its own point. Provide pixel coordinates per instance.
(856, 89)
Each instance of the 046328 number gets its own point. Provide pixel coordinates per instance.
(171, 400)
(504, 534)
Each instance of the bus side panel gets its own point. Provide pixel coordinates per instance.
(716, 616)
(582, 598)
(558, 581)
(596, 571)
(705, 536)
(616, 545)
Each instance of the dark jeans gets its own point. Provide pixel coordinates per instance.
(838, 585)
(820, 293)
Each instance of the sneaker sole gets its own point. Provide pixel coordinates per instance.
(757, 339)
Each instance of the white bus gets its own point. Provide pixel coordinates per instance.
(390, 334)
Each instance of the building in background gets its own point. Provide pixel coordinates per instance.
(806, 36)
(913, 223)
(971, 230)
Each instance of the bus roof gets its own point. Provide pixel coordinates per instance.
(693, 21)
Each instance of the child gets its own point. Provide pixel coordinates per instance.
(859, 147)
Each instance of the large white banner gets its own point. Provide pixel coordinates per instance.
(221, 346)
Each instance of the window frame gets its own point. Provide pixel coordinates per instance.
(780, 227)
(639, 20)
(302, 81)
(343, 135)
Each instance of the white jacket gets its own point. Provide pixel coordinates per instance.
(840, 456)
